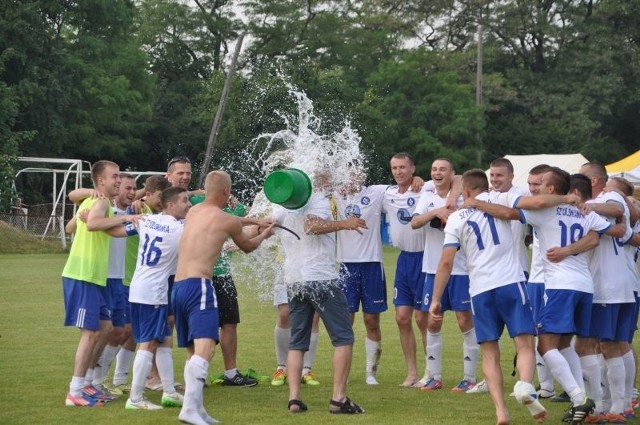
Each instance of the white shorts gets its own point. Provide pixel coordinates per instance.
(280, 294)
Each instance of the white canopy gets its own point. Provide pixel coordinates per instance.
(571, 163)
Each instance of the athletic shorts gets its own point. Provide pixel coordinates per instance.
(325, 297)
(196, 310)
(499, 307)
(84, 305)
(364, 283)
(280, 294)
(566, 312)
(409, 282)
(127, 304)
(612, 322)
(149, 322)
(455, 296)
(227, 296)
(535, 291)
(112, 294)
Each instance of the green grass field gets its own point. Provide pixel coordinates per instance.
(36, 355)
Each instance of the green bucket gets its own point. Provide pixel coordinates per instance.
(290, 188)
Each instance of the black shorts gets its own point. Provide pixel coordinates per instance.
(227, 296)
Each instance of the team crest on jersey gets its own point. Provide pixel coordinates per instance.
(411, 202)
(365, 200)
(404, 216)
(431, 205)
(352, 211)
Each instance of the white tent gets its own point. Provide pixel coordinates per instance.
(628, 167)
(571, 163)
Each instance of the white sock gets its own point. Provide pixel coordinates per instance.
(164, 362)
(105, 363)
(231, 373)
(141, 368)
(281, 338)
(606, 394)
(592, 380)
(434, 355)
(573, 360)
(629, 378)
(561, 372)
(76, 385)
(544, 374)
(124, 360)
(310, 356)
(372, 350)
(88, 377)
(470, 354)
(195, 375)
(615, 375)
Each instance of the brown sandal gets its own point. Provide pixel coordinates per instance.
(299, 404)
(346, 407)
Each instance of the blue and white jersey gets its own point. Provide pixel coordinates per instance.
(430, 200)
(400, 208)
(613, 276)
(157, 259)
(117, 248)
(632, 256)
(488, 245)
(557, 227)
(519, 229)
(354, 247)
(536, 275)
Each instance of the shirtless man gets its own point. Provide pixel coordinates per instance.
(205, 231)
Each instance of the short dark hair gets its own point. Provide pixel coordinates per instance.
(126, 176)
(624, 185)
(178, 159)
(98, 168)
(502, 162)
(597, 170)
(404, 155)
(170, 194)
(445, 159)
(560, 180)
(582, 184)
(475, 179)
(539, 169)
(156, 183)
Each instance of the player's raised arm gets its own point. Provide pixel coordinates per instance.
(314, 225)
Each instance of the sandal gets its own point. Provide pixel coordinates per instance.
(346, 407)
(299, 404)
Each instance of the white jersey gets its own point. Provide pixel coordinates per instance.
(157, 259)
(560, 226)
(537, 262)
(117, 247)
(632, 256)
(400, 208)
(613, 276)
(488, 245)
(354, 247)
(520, 230)
(430, 200)
(313, 257)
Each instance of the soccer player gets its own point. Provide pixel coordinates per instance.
(432, 210)
(157, 258)
(496, 288)
(399, 204)
(205, 231)
(84, 278)
(613, 303)
(360, 256)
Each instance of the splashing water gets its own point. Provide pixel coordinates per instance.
(297, 146)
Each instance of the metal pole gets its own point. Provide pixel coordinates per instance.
(217, 121)
(479, 60)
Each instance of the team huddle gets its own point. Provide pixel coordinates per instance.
(463, 248)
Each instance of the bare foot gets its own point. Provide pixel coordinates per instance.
(503, 418)
(409, 382)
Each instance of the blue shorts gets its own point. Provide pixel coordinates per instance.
(112, 294)
(507, 305)
(634, 319)
(612, 322)
(566, 312)
(325, 297)
(169, 294)
(149, 322)
(196, 310)
(536, 298)
(455, 296)
(364, 283)
(84, 305)
(409, 281)
(127, 304)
